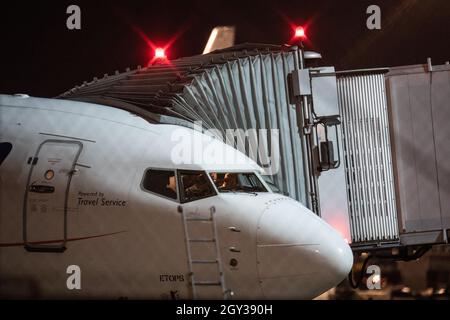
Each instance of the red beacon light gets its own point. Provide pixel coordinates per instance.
(160, 53)
(300, 33)
(159, 56)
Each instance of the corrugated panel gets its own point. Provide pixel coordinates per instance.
(367, 150)
(251, 93)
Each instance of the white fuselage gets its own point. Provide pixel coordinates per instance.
(72, 195)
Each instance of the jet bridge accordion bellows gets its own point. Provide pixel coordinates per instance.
(242, 87)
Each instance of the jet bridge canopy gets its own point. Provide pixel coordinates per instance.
(242, 87)
(392, 188)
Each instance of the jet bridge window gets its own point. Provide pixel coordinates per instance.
(195, 185)
(237, 182)
(162, 182)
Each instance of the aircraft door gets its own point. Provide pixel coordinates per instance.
(46, 195)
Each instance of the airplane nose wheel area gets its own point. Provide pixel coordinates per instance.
(357, 275)
(298, 255)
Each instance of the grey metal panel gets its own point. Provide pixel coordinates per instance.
(420, 238)
(420, 141)
(404, 169)
(332, 184)
(441, 118)
(367, 155)
(324, 92)
(419, 102)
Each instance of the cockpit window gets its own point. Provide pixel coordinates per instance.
(5, 149)
(237, 182)
(195, 185)
(271, 184)
(162, 182)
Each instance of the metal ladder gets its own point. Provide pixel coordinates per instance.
(219, 282)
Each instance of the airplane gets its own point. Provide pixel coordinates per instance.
(221, 37)
(94, 204)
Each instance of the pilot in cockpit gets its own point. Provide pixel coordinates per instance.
(171, 187)
(197, 185)
(229, 182)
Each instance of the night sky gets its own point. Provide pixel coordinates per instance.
(41, 57)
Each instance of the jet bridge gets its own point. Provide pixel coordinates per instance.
(365, 149)
(397, 155)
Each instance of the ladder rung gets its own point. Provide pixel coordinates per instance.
(204, 261)
(207, 283)
(198, 219)
(202, 240)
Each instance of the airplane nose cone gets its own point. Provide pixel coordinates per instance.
(299, 256)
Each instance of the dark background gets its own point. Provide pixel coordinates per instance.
(41, 57)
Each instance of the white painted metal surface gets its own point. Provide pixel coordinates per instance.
(129, 242)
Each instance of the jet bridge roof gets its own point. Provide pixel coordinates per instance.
(155, 90)
(241, 87)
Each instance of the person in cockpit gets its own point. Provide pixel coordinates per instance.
(171, 187)
(229, 182)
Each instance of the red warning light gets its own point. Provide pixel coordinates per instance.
(160, 53)
(300, 33)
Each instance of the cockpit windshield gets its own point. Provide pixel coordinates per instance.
(237, 182)
(195, 185)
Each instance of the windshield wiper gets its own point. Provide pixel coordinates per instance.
(238, 190)
(247, 190)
